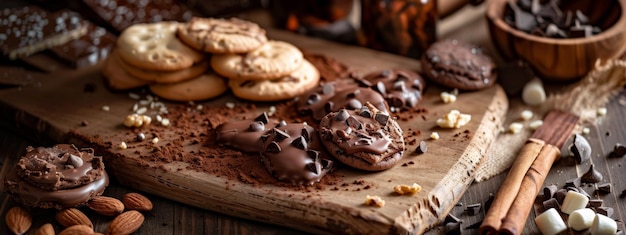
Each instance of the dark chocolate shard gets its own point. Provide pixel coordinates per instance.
(313, 154)
(594, 203)
(550, 203)
(280, 135)
(604, 188)
(326, 164)
(256, 126)
(606, 211)
(355, 124)
(342, 115)
(312, 167)
(365, 112)
(306, 134)
(473, 209)
(263, 118)
(591, 176)
(549, 191)
(299, 143)
(560, 195)
(381, 118)
(273, 147)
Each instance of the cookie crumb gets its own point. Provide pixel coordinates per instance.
(454, 119)
(123, 145)
(526, 115)
(165, 122)
(374, 201)
(434, 135)
(515, 127)
(155, 140)
(447, 97)
(407, 189)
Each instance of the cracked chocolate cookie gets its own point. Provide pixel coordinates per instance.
(58, 177)
(367, 139)
(401, 88)
(291, 153)
(334, 96)
(460, 65)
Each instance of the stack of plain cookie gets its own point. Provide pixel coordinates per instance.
(172, 58)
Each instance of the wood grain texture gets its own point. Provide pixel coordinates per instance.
(444, 172)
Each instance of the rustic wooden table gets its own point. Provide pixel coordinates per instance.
(169, 217)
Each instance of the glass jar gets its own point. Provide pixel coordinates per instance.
(405, 27)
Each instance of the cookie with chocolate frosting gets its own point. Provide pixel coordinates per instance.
(58, 177)
(245, 135)
(460, 65)
(401, 88)
(367, 139)
(337, 95)
(222, 35)
(291, 153)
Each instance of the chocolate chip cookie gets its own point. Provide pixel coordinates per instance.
(222, 35)
(460, 65)
(401, 88)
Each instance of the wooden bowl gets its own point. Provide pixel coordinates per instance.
(562, 59)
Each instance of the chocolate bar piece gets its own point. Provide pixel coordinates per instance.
(120, 14)
(28, 30)
(87, 50)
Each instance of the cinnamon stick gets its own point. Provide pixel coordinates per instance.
(516, 217)
(511, 186)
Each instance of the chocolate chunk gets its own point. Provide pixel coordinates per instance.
(591, 176)
(573, 182)
(422, 147)
(473, 209)
(352, 122)
(313, 154)
(342, 115)
(452, 228)
(581, 149)
(306, 134)
(88, 50)
(594, 203)
(365, 112)
(604, 188)
(256, 126)
(280, 135)
(263, 118)
(381, 118)
(550, 203)
(273, 147)
(560, 195)
(619, 150)
(300, 143)
(581, 17)
(523, 20)
(573, 189)
(623, 194)
(328, 107)
(607, 211)
(326, 164)
(312, 167)
(549, 191)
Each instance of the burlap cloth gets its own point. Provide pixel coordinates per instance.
(582, 98)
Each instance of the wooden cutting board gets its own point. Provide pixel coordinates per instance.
(58, 104)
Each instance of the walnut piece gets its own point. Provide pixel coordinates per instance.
(407, 189)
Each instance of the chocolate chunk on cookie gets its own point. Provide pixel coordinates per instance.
(58, 177)
(245, 135)
(222, 35)
(334, 96)
(291, 153)
(401, 88)
(460, 65)
(273, 60)
(367, 139)
(300, 81)
(30, 29)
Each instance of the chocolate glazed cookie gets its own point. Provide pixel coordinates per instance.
(460, 65)
(291, 153)
(366, 139)
(246, 135)
(401, 88)
(334, 96)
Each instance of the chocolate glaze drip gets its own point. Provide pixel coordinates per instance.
(401, 88)
(341, 94)
(292, 153)
(59, 167)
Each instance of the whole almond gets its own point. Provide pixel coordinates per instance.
(106, 206)
(18, 220)
(79, 229)
(125, 223)
(45, 229)
(136, 201)
(72, 216)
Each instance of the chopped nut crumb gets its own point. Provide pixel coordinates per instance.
(434, 135)
(374, 201)
(454, 119)
(535, 124)
(602, 111)
(123, 145)
(407, 189)
(447, 97)
(155, 140)
(526, 115)
(106, 108)
(516, 127)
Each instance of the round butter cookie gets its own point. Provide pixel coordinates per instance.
(456, 64)
(273, 60)
(287, 87)
(222, 36)
(167, 76)
(204, 87)
(117, 78)
(155, 46)
(365, 139)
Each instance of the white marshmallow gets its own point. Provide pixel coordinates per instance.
(581, 219)
(573, 201)
(602, 225)
(550, 222)
(533, 93)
